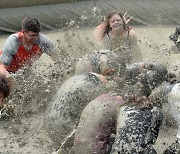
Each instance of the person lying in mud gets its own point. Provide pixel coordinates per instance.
(63, 112)
(137, 127)
(158, 92)
(140, 119)
(115, 34)
(143, 78)
(24, 46)
(97, 125)
(174, 37)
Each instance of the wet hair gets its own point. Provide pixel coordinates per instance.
(31, 24)
(104, 27)
(5, 86)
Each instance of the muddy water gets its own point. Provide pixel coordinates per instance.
(36, 85)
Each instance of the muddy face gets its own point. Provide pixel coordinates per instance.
(97, 124)
(64, 111)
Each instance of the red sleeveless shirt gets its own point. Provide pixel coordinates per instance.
(23, 57)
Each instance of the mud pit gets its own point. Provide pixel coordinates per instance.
(35, 87)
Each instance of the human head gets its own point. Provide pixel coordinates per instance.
(5, 88)
(104, 28)
(110, 16)
(31, 24)
(31, 29)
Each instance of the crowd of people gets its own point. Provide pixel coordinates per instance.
(120, 60)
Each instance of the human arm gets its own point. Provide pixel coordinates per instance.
(9, 49)
(135, 49)
(48, 47)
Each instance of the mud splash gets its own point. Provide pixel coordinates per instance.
(35, 86)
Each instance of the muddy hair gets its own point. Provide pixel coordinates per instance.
(31, 24)
(5, 86)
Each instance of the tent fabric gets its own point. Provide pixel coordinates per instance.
(25, 3)
(60, 15)
(51, 17)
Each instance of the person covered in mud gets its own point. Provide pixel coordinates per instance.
(5, 88)
(144, 77)
(63, 112)
(138, 126)
(175, 37)
(115, 34)
(139, 120)
(106, 63)
(24, 46)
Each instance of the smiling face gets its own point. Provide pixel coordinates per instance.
(116, 22)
